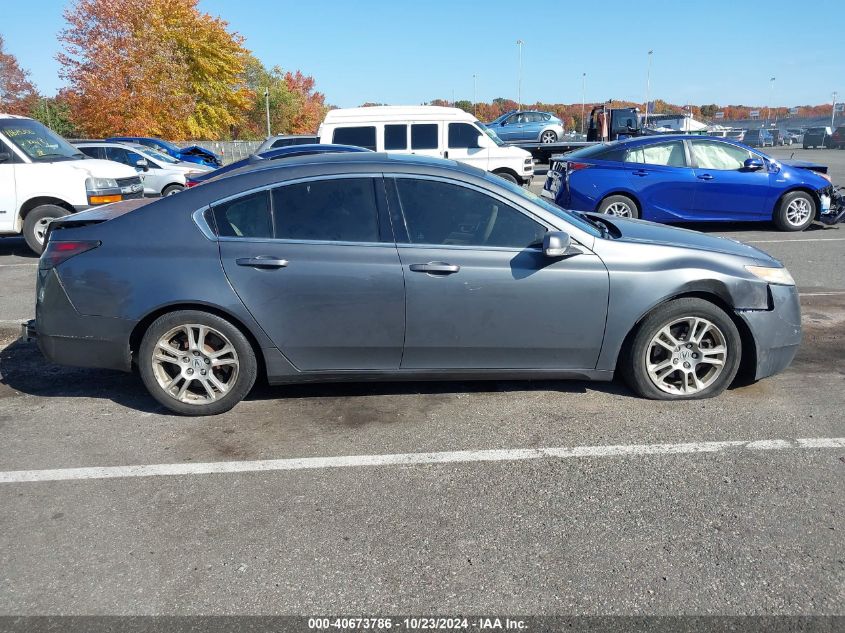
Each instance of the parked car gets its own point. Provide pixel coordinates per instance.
(190, 154)
(428, 131)
(43, 177)
(817, 137)
(736, 135)
(285, 140)
(162, 175)
(837, 139)
(690, 179)
(363, 266)
(758, 137)
(257, 160)
(797, 134)
(779, 138)
(543, 127)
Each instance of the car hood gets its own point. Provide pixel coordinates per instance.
(185, 167)
(643, 232)
(96, 168)
(805, 164)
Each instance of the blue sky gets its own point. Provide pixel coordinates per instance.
(406, 52)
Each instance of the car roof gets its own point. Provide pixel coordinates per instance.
(311, 147)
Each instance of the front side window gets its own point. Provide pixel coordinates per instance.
(396, 137)
(463, 135)
(335, 210)
(440, 213)
(92, 152)
(363, 136)
(124, 156)
(424, 136)
(247, 216)
(714, 155)
(667, 154)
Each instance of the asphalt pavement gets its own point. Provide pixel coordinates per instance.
(473, 497)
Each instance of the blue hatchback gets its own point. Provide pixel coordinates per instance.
(679, 178)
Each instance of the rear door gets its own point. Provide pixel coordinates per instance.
(318, 269)
(726, 190)
(664, 182)
(426, 139)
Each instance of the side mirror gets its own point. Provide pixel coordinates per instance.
(142, 164)
(557, 244)
(753, 164)
(5, 157)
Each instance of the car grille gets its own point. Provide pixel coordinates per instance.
(128, 182)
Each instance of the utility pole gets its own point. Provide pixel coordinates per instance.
(647, 87)
(267, 109)
(833, 109)
(771, 98)
(474, 94)
(583, 98)
(519, 80)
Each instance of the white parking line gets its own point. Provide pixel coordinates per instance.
(412, 459)
(815, 239)
(821, 294)
(17, 265)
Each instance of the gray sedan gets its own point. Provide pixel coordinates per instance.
(354, 267)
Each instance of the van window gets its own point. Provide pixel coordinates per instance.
(396, 136)
(424, 136)
(463, 135)
(364, 136)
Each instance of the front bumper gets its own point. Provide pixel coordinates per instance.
(776, 332)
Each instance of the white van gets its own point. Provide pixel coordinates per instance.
(43, 177)
(427, 131)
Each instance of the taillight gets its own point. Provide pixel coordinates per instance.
(577, 166)
(58, 252)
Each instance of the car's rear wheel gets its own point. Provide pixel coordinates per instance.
(549, 136)
(795, 211)
(36, 222)
(684, 350)
(621, 206)
(169, 190)
(196, 363)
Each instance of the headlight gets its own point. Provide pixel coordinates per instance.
(98, 184)
(779, 276)
(825, 176)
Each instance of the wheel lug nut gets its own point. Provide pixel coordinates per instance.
(686, 365)
(688, 346)
(207, 361)
(190, 371)
(695, 355)
(196, 353)
(202, 371)
(184, 359)
(674, 361)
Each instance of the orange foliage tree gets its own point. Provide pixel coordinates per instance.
(17, 94)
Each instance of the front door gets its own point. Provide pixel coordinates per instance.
(462, 145)
(426, 139)
(726, 190)
(314, 266)
(512, 128)
(480, 294)
(8, 189)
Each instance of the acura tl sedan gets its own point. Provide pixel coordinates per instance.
(365, 266)
(679, 178)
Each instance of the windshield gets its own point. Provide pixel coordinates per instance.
(532, 197)
(38, 142)
(491, 134)
(156, 155)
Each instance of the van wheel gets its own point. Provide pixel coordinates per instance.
(507, 176)
(196, 363)
(36, 222)
(169, 190)
(795, 211)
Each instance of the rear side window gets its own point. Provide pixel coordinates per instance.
(463, 135)
(396, 136)
(336, 210)
(248, 216)
(424, 136)
(283, 142)
(364, 136)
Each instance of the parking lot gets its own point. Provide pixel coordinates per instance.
(510, 497)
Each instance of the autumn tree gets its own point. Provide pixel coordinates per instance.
(152, 67)
(17, 93)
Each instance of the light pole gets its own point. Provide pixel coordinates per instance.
(833, 109)
(475, 95)
(267, 109)
(771, 98)
(647, 87)
(583, 98)
(519, 80)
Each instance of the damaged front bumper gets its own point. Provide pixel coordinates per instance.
(833, 206)
(776, 332)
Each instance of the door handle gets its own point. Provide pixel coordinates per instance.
(262, 261)
(446, 154)
(704, 177)
(436, 268)
(640, 172)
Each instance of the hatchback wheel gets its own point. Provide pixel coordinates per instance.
(548, 136)
(795, 211)
(621, 206)
(686, 349)
(196, 363)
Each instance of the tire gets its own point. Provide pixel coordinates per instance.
(549, 136)
(169, 190)
(507, 176)
(795, 211)
(182, 367)
(35, 225)
(686, 372)
(619, 205)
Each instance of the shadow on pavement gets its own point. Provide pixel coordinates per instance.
(16, 246)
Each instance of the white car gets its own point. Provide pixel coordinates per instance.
(43, 177)
(161, 174)
(428, 131)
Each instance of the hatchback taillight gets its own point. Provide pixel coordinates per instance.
(58, 252)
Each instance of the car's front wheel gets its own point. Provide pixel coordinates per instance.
(684, 350)
(795, 211)
(196, 363)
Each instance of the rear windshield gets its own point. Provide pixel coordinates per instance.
(594, 151)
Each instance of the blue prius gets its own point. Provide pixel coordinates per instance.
(678, 178)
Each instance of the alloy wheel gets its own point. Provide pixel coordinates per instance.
(548, 137)
(798, 211)
(619, 208)
(195, 364)
(686, 356)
